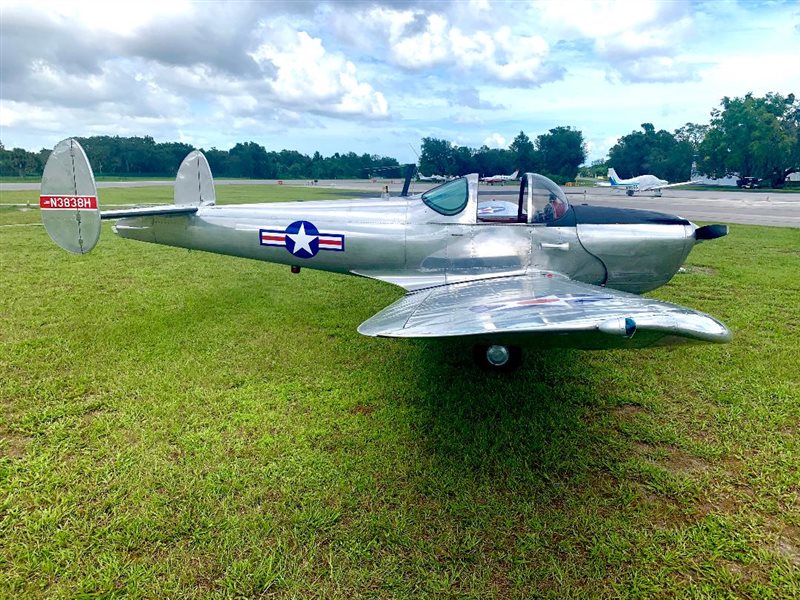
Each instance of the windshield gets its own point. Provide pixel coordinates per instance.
(449, 198)
(549, 201)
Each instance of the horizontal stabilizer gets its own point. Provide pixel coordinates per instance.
(148, 211)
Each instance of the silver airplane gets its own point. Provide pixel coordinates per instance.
(535, 272)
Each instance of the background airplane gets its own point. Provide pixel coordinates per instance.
(433, 178)
(642, 183)
(491, 179)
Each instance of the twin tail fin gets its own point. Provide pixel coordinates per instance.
(69, 204)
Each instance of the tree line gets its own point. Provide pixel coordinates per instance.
(556, 154)
(142, 156)
(749, 136)
(746, 137)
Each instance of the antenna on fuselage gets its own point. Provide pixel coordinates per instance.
(411, 169)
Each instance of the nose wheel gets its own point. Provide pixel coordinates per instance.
(498, 358)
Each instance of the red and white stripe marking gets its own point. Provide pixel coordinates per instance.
(331, 242)
(271, 238)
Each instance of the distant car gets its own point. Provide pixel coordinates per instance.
(748, 183)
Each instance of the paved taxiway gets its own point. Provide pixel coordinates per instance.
(726, 206)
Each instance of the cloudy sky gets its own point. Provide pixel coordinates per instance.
(377, 77)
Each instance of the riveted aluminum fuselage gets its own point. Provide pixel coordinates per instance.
(405, 242)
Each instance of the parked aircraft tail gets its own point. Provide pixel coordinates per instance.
(69, 203)
(514, 174)
(612, 176)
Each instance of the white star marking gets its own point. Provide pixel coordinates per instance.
(302, 241)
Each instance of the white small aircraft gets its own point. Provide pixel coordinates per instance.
(492, 179)
(433, 178)
(642, 183)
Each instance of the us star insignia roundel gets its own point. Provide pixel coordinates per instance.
(302, 239)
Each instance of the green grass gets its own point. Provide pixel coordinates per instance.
(180, 424)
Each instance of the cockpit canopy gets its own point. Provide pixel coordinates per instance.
(540, 200)
(548, 201)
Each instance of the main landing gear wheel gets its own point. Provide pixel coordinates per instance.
(498, 358)
(629, 192)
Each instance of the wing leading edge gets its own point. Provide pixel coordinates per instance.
(543, 309)
(664, 187)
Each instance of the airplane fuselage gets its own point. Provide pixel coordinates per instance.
(643, 182)
(402, 241)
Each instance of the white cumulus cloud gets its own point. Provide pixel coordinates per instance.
(428, 41)
(640, 40)
(495, 141)
(309, 77)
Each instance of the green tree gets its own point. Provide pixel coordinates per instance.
(525, 155)
(597, 168)
(464, 160)
(754, 137)
(494, 161)
(218, 160)
(436, 157)
(693, 134)
(317, 166)
(250, 160)
(561, 152)
(23, 163)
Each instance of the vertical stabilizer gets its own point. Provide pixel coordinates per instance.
(194, 185)
(68, 199)
(613, 177)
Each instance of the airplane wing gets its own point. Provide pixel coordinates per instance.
(542, 309)
(668, 185)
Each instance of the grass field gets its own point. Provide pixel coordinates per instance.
(179, 424)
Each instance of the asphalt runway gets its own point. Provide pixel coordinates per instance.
(750, 207)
